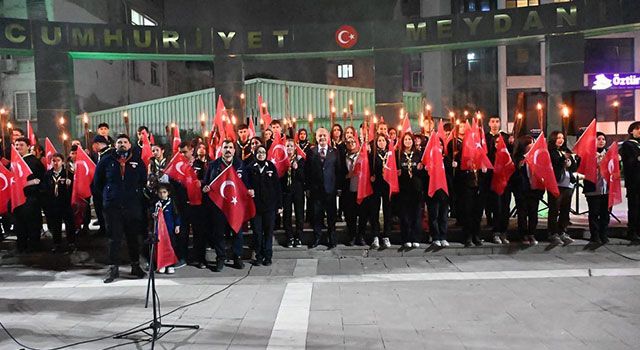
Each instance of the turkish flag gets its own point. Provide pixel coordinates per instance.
(441, 133)
(165, 256)
(364, 174)
(49, 151)
(434, 162)
(299, 150)
(31, 135)
(610, 170)
(503, 167)
(474, 154)
(229, 193)
(585, 148)
(265, 117)
(277, 154)
(229, 130)
(179, 170)
(5, 189)
(539, 162)
(175, 144)
(20, 171)
(218, 125)
(82, 177)
(252, 128)
(390, 173)
(405, 127)
(152, 139)
(146, 148)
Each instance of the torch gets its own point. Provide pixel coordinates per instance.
(310, 119)
(344, 116)
(332, 108)
(203, 122)
(565, 120)
(85, 123)
(616, 114)
(539, 108)
(125, 117)
(2, 124)
(243, 106)
(351, 111)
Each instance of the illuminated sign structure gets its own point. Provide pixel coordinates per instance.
(614, 81)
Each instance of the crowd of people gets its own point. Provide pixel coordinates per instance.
(322, 183)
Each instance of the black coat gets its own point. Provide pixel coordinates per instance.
(37, 172)
(117, 190)
(293, 180)
(411, 185)
(630, 153)
(323, 177)
(558, 162)
(48, 185)
(266, 187)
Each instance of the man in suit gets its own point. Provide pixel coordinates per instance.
(120, 177)
(323, 171)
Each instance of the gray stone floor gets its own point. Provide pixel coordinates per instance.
(578, 300)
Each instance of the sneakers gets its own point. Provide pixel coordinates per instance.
(532, 239)
(386, 243)
(162, 270)
(171, 270)
(525, 240)
(267, 262)
(375, 244)
(407, 245)
(137, 272)
(112, 274)
(555, 239)
(200, 265)
(503, 238)
(496, 239)
(180, 263)
(290, 243)
(566, 239)
(415, 245)
(437, 243)
(444, 243)
(298, 243)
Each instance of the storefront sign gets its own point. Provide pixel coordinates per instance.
(615, 81)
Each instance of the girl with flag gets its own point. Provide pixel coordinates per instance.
(377, 162)
(172, 220)
(293, 186)
(597, 195)
(564, 165)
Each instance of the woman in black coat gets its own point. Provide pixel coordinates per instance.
(598, 197)
(293, 186)
(410, 199)
(265, 189)
(564, 165)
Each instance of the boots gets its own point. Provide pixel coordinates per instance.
(219, 264)
(112, 274)
(136, 271)
(238, 263)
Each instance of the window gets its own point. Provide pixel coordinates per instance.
(521, 3)
(135, 76)
(25, 105)
(605, 101)
(416, 80)
(463, 6)
(608, 55)
(523, 59)
(154, 74)
(345, 70)
(139, 19)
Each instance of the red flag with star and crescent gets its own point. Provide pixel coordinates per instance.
(433, 161)
(31, 135)
(49, 151)
(229, 193)
(20, 171)
(179, 169)
(277, 154)
(299, 150)
(5, 188)
(390, 172)
(364, 174)
(610, 170)
(539, 162)
(81, 190)
(586, 149)
(175, 144)
(165, 256)
(146, 153)
(252, 128)
(265, 117)
(503, 167)
(474, 154)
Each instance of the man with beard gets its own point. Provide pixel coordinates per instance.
(121, 177)
(242, 144)
(219, 222)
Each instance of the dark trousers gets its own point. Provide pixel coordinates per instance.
(121, 222)
(527, 209)
(559, 211)
(351, 208)
(374, 214)
(56, 215)
(499, 207)
(263, 224)
(221, 229)
(470, 209)
(438, 209)
(324, 204)
(28, 223)
(195, 220)
(633, 202)
(295, 199)
(598, 215)
(410, 220)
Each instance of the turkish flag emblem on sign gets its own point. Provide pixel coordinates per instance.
(346, 36)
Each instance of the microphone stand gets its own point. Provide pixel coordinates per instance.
(155, 327)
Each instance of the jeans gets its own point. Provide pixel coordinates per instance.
(438, 208)
(500, 208)
(409, 223)
(374, 214)
(527, 208)
(297, 200)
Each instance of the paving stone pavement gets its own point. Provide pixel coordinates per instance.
(581, 300)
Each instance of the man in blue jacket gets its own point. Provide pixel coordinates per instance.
(219, 223)
(120, 177)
